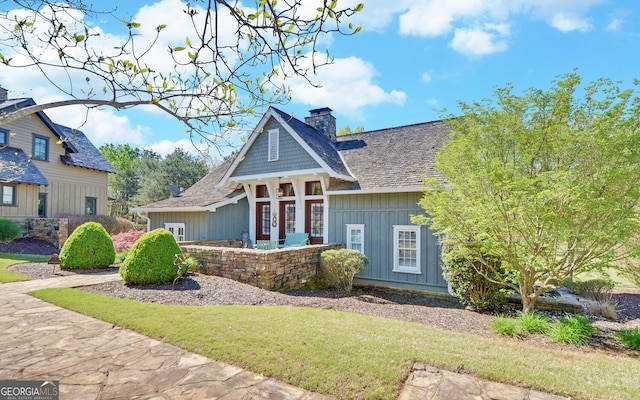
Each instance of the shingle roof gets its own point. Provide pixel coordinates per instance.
(392, 158)
(317, 141)
(19, 168)
(203, 193)
(87, 155)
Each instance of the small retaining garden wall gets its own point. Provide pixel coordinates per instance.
(52, 230)
(279, 269)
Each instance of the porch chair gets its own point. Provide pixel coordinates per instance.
(295, 240)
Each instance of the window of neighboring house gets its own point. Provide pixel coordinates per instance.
(8, 195)
(4, 136)
(40, 148)
(177, 229)
(355, 237)
(274, 145)
(91, 206)
(406, 249)
(42, 205)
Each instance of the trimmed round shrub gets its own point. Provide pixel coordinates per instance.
(471, 287)
(9, 229)
(339, 267)
(89, 246)
(150, 260)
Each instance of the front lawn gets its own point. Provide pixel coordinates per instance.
(353, 356)
(6, 260)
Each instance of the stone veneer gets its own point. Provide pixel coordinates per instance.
(279, 269)
(52, 230)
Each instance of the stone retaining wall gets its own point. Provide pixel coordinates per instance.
(52, 230)
(279, 269)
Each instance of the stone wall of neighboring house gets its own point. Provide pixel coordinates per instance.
(52, 230)
(279, 269)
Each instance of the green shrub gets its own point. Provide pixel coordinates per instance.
(533, 322)
(505, 325)
(151, 259)
(9, 229)
(594, 289)
(573, 329)
(113, 225)
(89, 246)
(471, 287)
(630, 338)
(339, 267)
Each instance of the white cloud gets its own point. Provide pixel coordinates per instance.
(426, 77)
(166, 147)
(618, 18)
(479, 41)
(347, 86)
(568, 23)
(100, 126)
(462, 18)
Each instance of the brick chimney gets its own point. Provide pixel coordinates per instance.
(4, 94)
(324, 121)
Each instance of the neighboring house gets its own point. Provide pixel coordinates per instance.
(294, 176)
(48, 170)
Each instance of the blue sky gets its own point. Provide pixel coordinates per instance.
(411, 59)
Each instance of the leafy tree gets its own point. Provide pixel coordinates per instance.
(546, 181)
(232, 60)
(124, 185)
(156, 174)
(347, 130)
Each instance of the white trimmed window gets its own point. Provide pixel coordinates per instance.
(406, 249)
(274, 144)
(177, 229)
(8, 195)
(355, 237)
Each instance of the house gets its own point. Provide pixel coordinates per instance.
(295, 176)
(48, 170)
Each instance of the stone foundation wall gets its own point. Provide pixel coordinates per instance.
(53, 230)
(279, 269)
(233, 243)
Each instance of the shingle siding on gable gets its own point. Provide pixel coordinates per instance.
(292, 155)
(379, 213)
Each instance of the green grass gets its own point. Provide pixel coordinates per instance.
(353, 356)
(572, 329)
(630, 338)
(6, 260)
(505, 325)
(534, 322)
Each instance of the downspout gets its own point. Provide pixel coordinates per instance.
(147, 218)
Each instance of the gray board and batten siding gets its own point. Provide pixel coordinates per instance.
(379, 213)
(291, 155)
(225, 223)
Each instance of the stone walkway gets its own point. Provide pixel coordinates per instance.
(95, 360)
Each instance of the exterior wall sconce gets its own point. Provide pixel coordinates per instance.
(274, 220)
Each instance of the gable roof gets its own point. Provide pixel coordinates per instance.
(87, 155)
(317, 142)
(312, 140)
(19, 168)
(15, 104)
(393, 159)
(204, 195)
(80, 152)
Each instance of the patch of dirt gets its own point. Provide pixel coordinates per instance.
(28, 246)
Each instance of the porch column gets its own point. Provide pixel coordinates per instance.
(251, 199)
(299, 190)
